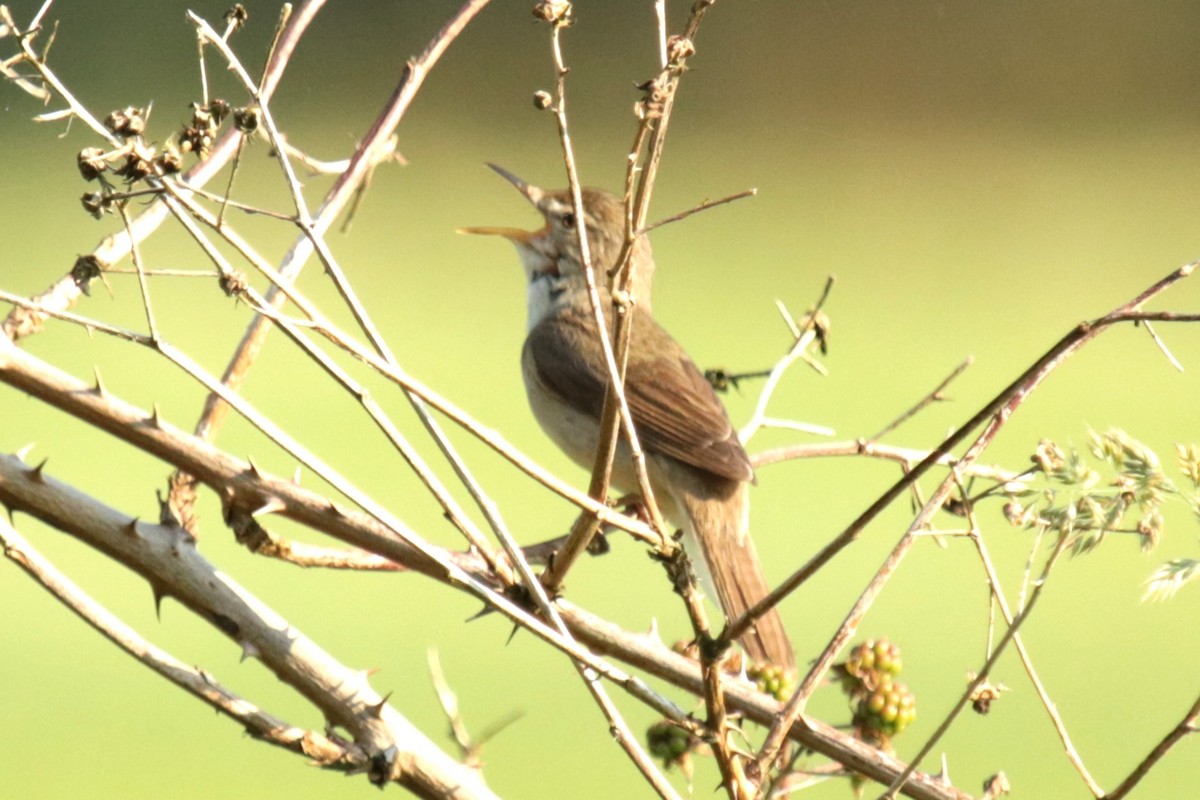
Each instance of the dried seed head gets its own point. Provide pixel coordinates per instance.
(219, 109)
(96, 204)
(169, 161)
(678, 50)
(542, 100)
(246, 119)
(233, 283)
(91, 163)
(237, 16)
(129, 121)
(86, 269)
(556, 12)
(654, 94)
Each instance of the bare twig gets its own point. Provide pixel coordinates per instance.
(1186, 727)
(1000, 407)
(329, 752)
(930, 398)
(704, 206)
(166, 556)
(803, 337)
(984, 671)
(615, 415)
(996, 413)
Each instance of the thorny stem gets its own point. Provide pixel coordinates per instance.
(998, 412)
(615, 410)
(1000, 407)
(1186, 727)
(984, 671)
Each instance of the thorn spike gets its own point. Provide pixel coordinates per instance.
(99, 389)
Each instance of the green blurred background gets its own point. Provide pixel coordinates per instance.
(978, 176)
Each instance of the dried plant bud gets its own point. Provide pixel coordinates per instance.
(219, 109)
(1019, 515)
(196, 140)
(557, 12)
(542, 100)
(996, 786)
(678, 50)
(91, 163)
(233, 283)
(129, 121)
(985, 694)
(237, 16)
(654, 94)
(139, 164)
(246, 119)
(87, 269)
(96, 204)
(169, 161)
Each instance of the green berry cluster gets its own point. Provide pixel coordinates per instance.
(883, 706)
(670, 743)
(772, 679)
(872, 657)
(888, 709)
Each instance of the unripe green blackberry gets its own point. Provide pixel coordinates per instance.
(668, 742)
(888, 709)
(867, 662)
(772, 679)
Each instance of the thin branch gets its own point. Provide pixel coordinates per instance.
(328, 752)
(704, 206)
(240, 485)
(984, 671)
(1186, 727)
(64, 293)
(803, 336)
(997, 413)
(615, 406)
(378, 140)
(1026, 660)
(929, 399)
(167, 557)
(1000, 407)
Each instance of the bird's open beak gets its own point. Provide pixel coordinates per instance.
(516, 235)
(512, 234)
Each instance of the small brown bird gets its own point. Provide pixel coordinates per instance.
(698, 470)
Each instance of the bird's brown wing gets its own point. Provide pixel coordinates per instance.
(675, 411)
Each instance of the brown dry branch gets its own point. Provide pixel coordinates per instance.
(997, 410)
(330, 752)
(981, 677)
(167, 558)
(999, 600)
(615, 414)
(376, 144)
(995, 414)
(241, 485)
(615, 419)
(65, 292)
(1186, 727)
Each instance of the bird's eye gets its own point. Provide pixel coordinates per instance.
(568, 220)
